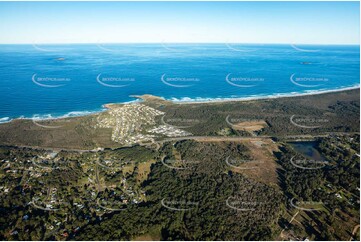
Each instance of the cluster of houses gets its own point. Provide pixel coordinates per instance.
(135, 123)
(128, 122)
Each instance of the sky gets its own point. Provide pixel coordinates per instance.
(180, 22)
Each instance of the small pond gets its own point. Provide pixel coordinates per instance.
(308, 149)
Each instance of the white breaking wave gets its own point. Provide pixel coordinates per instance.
(4, 120)
(79, 113)
(260, 96)
(38, 117)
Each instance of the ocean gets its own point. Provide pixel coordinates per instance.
(50, 81)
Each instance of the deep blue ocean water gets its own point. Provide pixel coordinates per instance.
(44, 81)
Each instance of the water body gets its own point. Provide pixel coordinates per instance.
(45, 81)
(308, 149)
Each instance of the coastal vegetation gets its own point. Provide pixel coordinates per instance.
(281, 117)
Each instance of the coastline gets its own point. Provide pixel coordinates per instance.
(184, 101)
(259, 97)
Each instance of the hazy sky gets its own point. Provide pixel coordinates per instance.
(147, 22)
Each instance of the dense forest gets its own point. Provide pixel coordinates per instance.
(200, 192)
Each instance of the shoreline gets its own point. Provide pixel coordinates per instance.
(256, 98)
(144, 98)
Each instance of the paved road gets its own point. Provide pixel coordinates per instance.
(238, 138)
